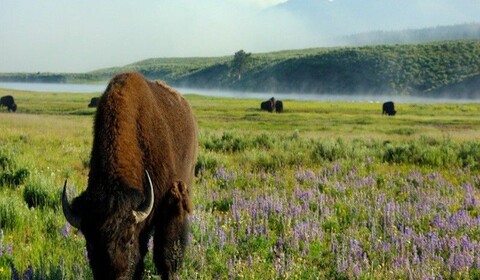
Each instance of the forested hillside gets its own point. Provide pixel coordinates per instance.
(445, 68)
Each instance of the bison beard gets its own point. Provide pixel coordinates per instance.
(141, 173)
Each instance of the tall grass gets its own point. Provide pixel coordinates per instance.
(323, 191)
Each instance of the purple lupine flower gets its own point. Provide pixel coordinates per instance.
(250, 261)
(231, 268)
(305, 176)
(9, 249)
(385, 247)
(433, 176)
(222, 236)
(469, 200)
(225, 176)
(357, 270)
(150, 243)
(438, 222)
(65, 230)
(355, 248)
(460, 260)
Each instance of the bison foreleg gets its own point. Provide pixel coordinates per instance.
(171, 233)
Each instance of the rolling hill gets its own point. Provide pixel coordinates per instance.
(446, 68)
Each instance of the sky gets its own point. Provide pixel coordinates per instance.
(86, 35)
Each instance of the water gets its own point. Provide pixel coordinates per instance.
(54, 87)
(100, 88)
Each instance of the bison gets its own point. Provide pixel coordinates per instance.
(9, 102)
(278, 106)
(93, 102)
(389, 108)
(141, 173)
(268, 105)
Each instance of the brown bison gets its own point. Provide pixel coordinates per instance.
(278, 106)
(141, 173)
(268, 105)
(93, 102)
(9, 102)
(389, 108)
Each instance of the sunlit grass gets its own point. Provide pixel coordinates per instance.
(343, 162)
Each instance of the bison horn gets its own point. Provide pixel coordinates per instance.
(74, 220)
(146, 207)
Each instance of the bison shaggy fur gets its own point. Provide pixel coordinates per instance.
(142, 129)
(268, 105)
(9, 102)
(388, 108)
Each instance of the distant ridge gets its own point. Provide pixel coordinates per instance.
(467, 31)
(435, 69)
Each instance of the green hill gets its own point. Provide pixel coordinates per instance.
(444, 68)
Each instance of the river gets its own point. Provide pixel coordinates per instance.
(99, 88)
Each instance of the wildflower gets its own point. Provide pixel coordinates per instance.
(65, 230)
(9, 249)
(150, 244)
(250, 261)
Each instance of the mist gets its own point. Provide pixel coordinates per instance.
(80, 36)
(86, 35)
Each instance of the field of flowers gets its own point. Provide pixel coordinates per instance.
(323, 191)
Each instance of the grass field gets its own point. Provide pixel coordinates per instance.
(325, 190)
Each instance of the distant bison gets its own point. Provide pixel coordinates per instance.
(268, 105)
(141, 129)
(389, 108)
(9, 102)
(272, 105)
(278, 106)
(93, 102)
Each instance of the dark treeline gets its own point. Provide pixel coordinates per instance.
(450, 68)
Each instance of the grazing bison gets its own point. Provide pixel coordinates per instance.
(278, 106)
(93, 102)
(268, 105)
(141, 173)
(9, 102)
(389, 108)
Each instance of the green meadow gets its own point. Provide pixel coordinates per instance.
(324, 190)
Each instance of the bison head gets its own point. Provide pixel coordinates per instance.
(112, 227)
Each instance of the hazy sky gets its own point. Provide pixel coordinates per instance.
(84, 35)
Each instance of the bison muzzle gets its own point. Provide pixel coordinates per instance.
(141, 173)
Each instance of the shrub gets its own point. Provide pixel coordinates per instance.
(14, 178)
(10, 175)
(226, 143)
(39, 194)
(328, 150)
(10, 212)
(263, 141)
(206, 162)
(469, 154)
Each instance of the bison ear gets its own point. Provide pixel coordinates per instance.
(179, 197)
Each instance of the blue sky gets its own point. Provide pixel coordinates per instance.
(84, 35)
